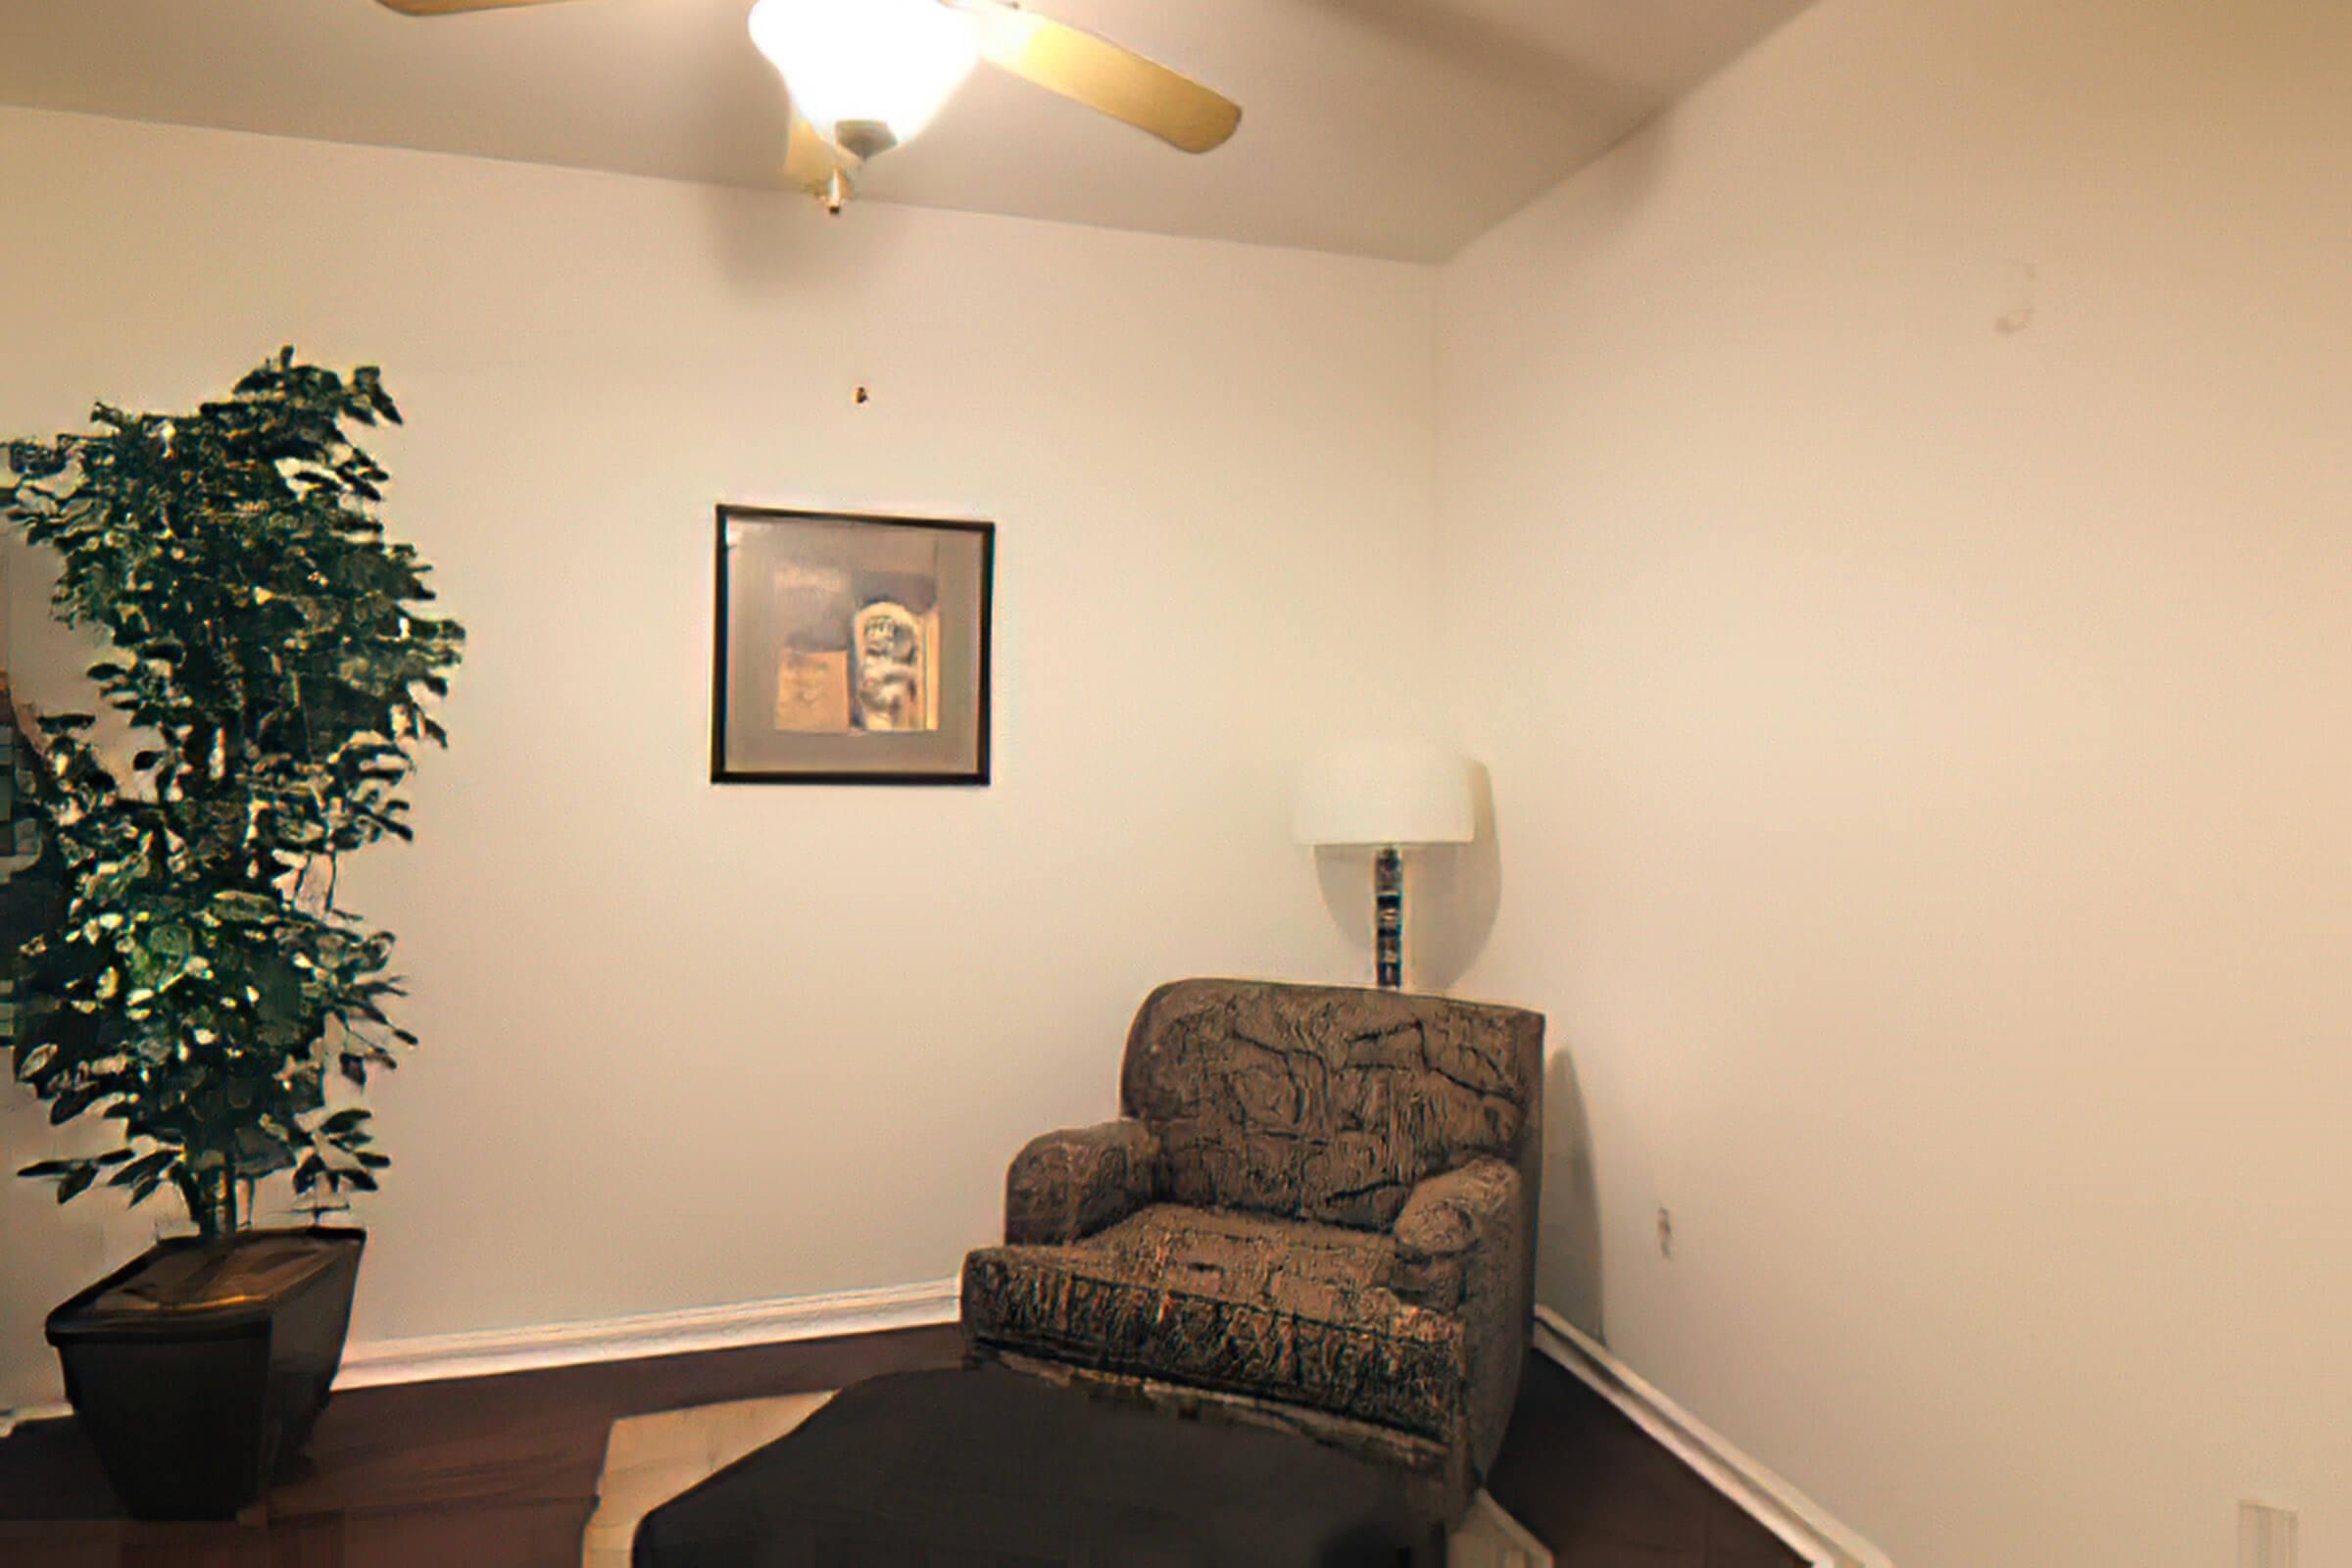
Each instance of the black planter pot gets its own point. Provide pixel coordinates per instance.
(200, 1366)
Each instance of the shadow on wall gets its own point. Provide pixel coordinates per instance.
(1568, 1248)
(1453, 892)
(1457, 894)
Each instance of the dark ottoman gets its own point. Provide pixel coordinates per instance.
(988, 1468)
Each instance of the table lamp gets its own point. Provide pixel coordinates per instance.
(1386, 796)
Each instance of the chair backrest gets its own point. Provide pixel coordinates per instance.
(1330, 1103)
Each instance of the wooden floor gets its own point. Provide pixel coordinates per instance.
(1602, 1494)
(501, 1472)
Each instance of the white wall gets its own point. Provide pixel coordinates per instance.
(686, 1045)
(1896, 527)
(1898, 523)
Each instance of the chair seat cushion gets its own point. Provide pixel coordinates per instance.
(1286, 1311)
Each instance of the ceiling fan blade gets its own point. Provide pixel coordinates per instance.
(451, 8)
(1102, 75)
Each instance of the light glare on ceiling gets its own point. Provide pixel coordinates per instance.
(894, 63)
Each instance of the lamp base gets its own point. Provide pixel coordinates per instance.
(1388, 919)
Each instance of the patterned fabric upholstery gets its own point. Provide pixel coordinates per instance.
(1320, 1197)
(1274, 1308)
(1325, 1102)
(1068, 1183)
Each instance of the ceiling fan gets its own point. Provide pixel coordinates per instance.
(867, 75)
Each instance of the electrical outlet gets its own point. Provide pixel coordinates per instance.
(2266, 1536)
(1666, 1233)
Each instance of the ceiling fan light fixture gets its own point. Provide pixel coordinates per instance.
(886, 63)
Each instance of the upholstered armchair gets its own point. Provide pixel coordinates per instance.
(1319, 1208)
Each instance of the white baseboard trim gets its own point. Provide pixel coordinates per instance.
(432, 1358)
(1779, 1506)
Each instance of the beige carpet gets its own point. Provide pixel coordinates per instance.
(650, 1459)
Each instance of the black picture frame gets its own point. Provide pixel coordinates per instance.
(731, 514)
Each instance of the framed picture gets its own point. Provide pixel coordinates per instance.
(850, 649)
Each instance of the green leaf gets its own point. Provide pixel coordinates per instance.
(266, 643)
(146, 1168)
(74, 1102)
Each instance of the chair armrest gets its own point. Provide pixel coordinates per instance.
(1072, 1183)
(1464, 1246)
(1449, 1227)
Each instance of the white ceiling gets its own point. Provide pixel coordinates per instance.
(1385, 127)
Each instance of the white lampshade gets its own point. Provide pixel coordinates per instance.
(1383, 792)
(892, 62)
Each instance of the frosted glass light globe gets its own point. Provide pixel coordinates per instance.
(892, 62)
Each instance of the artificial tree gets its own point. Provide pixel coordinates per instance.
(197, 983)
